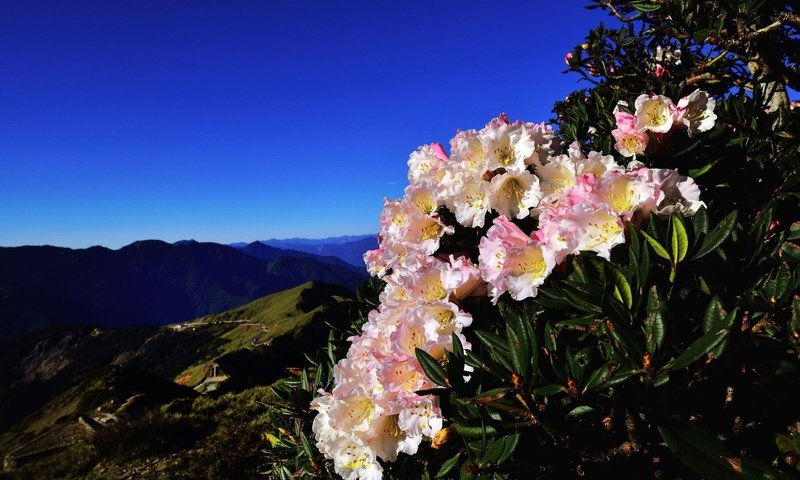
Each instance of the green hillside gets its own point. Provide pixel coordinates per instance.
(256, 324)
(105, 405)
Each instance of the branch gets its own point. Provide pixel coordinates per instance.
(616, 13)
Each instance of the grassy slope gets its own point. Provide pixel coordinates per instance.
(282, 313)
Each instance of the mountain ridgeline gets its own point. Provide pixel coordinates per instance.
(349, 248)
(95, 403)
(149, 282)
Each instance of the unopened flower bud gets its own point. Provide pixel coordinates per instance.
(443, 437)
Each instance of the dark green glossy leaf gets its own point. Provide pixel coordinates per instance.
(581, 410)
(655, 324)
(600, 376)
(712, 320)
(448, 465)
(700, 222)
(718, 235)
(548, 390)
(491, 340)
(431, 367)
(500, 449)
(698, 348)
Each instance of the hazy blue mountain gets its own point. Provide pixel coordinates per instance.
(349, 248)
(146, 283)
(288, 242)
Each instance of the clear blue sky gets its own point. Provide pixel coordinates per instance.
(234, 121)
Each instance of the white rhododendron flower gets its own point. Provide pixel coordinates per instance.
(599, 230)
(696, 112)
(653, 113)
(427, 164)
(623, 194)
(436, 256)
(508, 145)
(514, 194)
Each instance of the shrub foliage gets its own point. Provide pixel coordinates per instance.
(678, 357)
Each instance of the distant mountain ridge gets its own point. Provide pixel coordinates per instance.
(53, 378)
(349, 248)
(148, 282)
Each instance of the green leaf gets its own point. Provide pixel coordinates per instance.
(700, 222)
(581, 410)
(697, 172)
(488, 396)
(790, 251)
(600, 376)
(655, 324)
(657, 247)
(698, 348)
(518, 348)
(458, 349)
(500, 449)
(679, 241)
(548, 390)
(448, 465)
(719, 234)
(622, 289)
(794, 231)
(706, 465)
(491, 340)
(645, 5)
(712, 320)
(708, 456)
(624, 342)
(431, 367)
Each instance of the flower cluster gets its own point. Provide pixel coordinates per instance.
(491, 184)
(657, 115)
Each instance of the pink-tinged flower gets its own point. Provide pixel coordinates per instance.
(653, 113)
(514, 194)
(387, 439)
(696, 112)
(626, 122)
(426, 164)
(376, 262)
(354, 460)
(445, 319)
(421, 417)
(507, 145)
(511, 261)
(680, 193)
(467, 154)
(630, 144)
(438, 150)
(598, 230)
(424, 196)
(402, 222)
(630, 140)
(556, 177)
(583, 192)
(462, 277)
(470, 203)
(623, 194)
(568, 57)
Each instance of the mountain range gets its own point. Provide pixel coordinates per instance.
(85, 397)
(349, 248)
(149, 282)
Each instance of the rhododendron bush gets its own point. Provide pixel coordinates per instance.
(616, 292)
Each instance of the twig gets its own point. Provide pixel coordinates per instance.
(621, 17)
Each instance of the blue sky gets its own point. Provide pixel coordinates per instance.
(234, 121)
